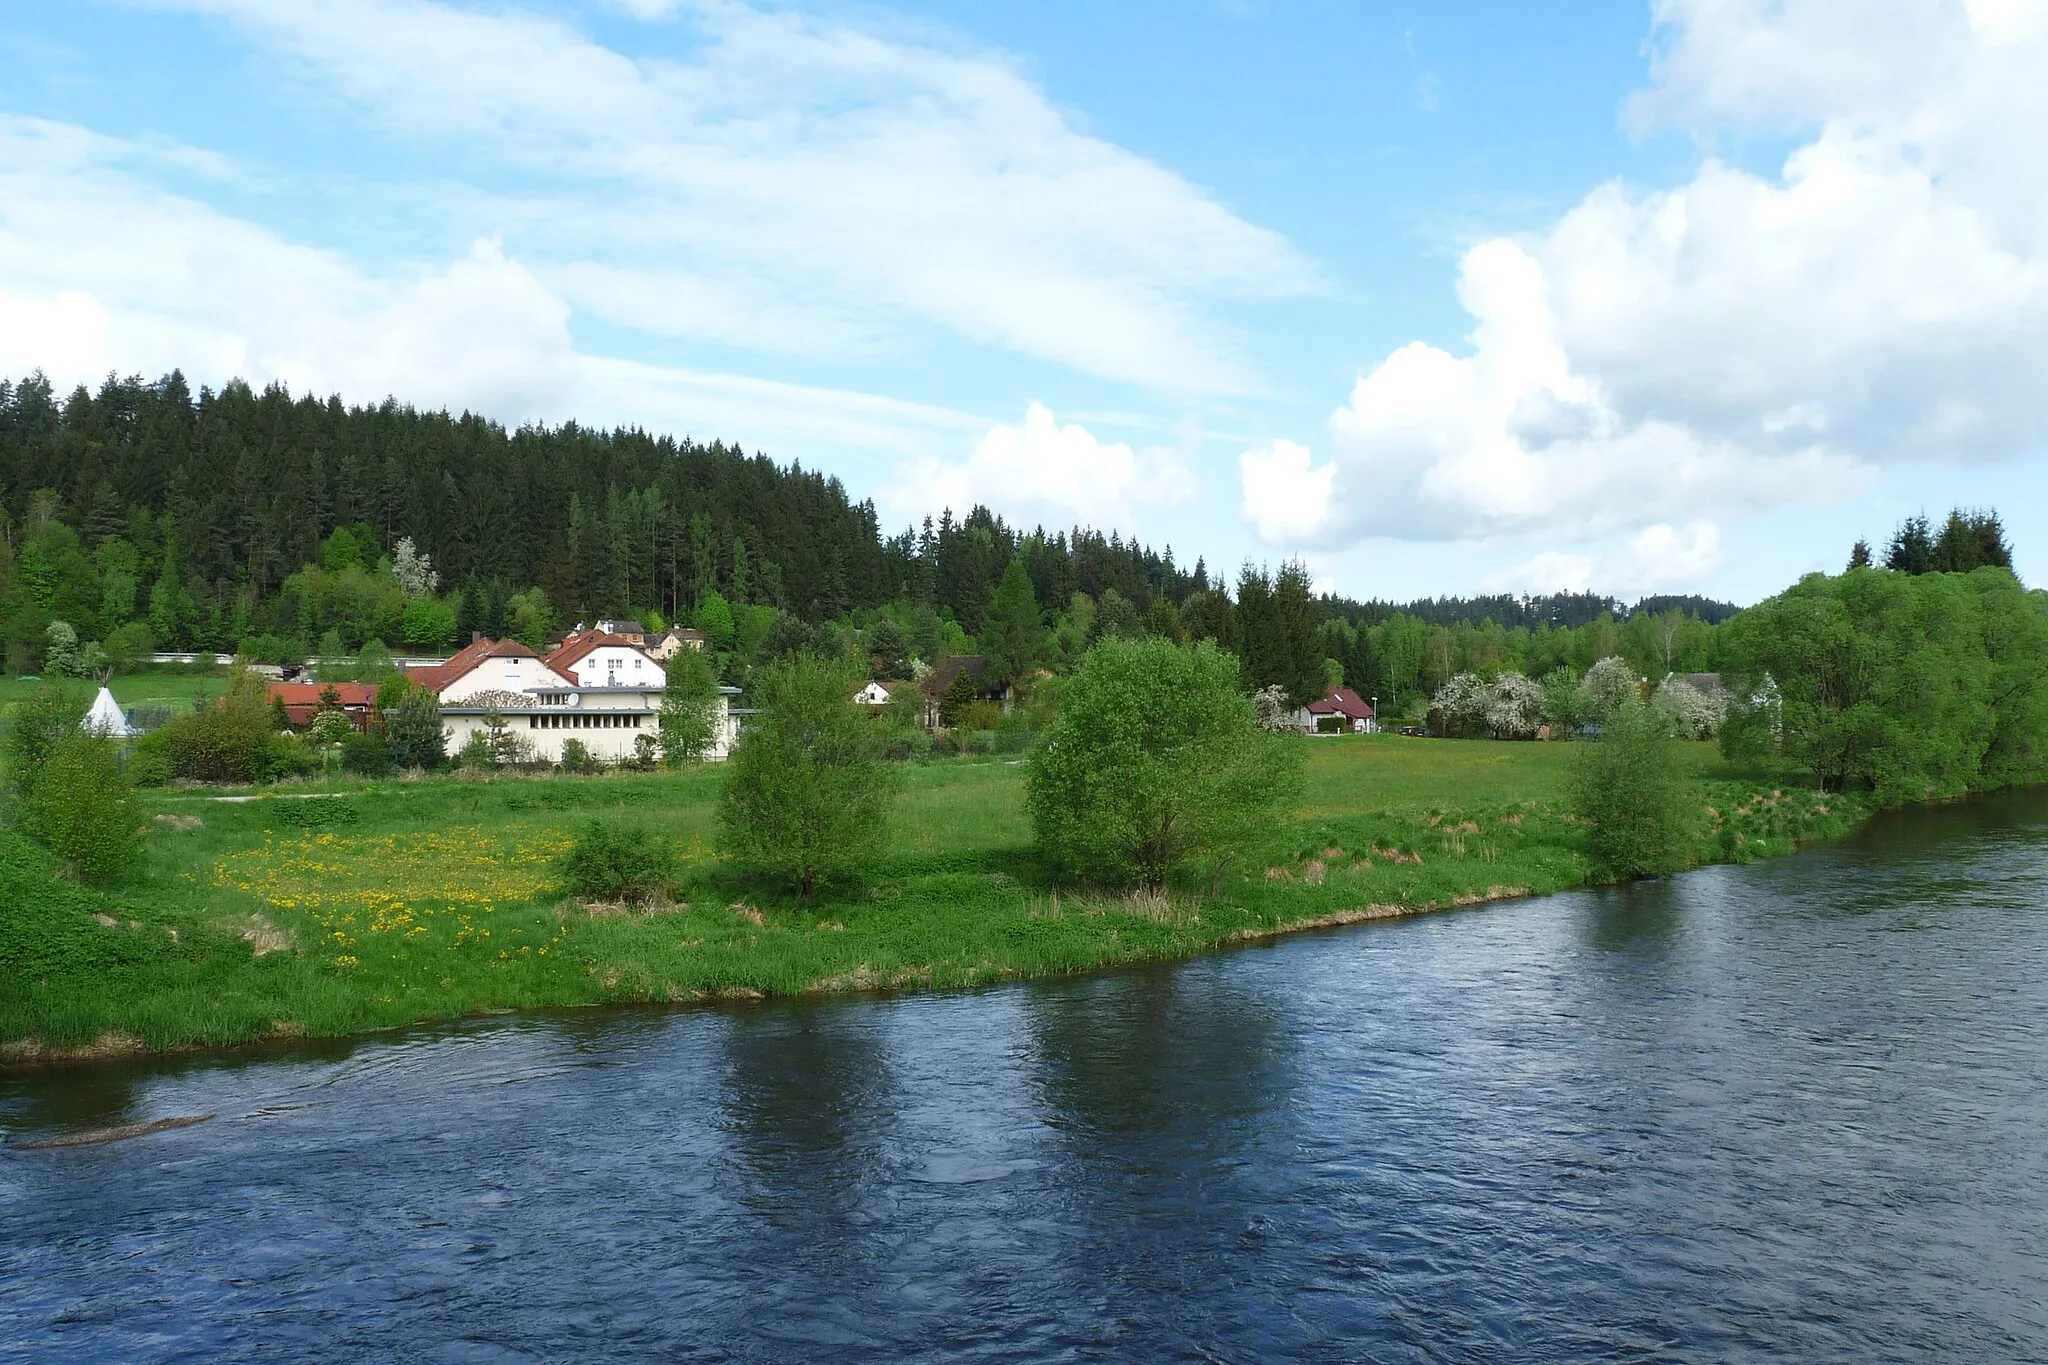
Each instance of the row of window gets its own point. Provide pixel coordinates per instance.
(587, 720)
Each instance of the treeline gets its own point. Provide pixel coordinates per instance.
(144, 516)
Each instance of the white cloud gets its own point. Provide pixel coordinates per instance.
(1038, 472)
(1656, 558)
(1286, 496)
(82, 293)
(896, 181)
(1742, 339)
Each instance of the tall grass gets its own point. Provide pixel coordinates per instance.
(230, 934)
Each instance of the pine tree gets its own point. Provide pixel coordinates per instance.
(1013, 631)
(1859, 556)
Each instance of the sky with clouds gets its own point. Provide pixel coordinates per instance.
(1440, 298)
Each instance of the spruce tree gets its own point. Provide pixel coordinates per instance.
(1013, 631)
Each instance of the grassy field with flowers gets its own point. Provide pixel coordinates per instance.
(319, 911)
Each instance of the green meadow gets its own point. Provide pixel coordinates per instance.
(348, 907)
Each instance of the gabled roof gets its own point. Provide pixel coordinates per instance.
(1341, 701)
(579, 647)
(308, 694)
(437, 677)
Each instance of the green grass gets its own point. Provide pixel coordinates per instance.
(390, 903)
(179, 689)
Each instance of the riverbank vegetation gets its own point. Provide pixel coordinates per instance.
(388, 903)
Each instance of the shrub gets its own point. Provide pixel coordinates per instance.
(1155, 758)
(1629, 787)
(228, 742)
(39, 721)
(577, 758)
(365, 754)
(330, 727)
(1608, 685)
(806, 795)
(1691, 713)
(128, 645)
(82, 807)
(980, 714)
(412, 728)
(614, 862)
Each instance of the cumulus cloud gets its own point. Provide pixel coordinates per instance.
(820, 173)
(1741, 339)
(1039, 472)
(1654, 559)
(1286, 495)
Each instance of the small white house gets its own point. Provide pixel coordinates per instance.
(874, 694)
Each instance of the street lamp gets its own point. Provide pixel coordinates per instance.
(1375, 713)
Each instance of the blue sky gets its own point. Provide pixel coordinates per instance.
(1441, 298)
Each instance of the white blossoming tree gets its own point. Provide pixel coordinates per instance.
(413, 570)
(1275, 716)
(1691, 713)
(1458, 710)
(1606, 686)
(1515, 707)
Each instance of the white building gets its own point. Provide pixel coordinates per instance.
(598, 689)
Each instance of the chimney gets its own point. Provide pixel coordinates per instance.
(475, 635)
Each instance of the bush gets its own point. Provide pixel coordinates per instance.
(82, 808)
(980, 714)
(1629, 787)
(39, 722)
(330, 727)
(364, 753)
(1691, 713)
(1458, 710)
(129, 645)
(412, 728)
(615, 862)
(577, 758)
(1515, 707)
(228, 742)
(1608, 685)
(1154, 758)
(806, 794)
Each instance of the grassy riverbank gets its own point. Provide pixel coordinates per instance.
(399, 902)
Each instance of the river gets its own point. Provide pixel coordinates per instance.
(1791, 1111)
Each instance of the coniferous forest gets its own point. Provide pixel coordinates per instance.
(153, 516)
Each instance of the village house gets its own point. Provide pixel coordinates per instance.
(873, 694)
(302, 701)
(599, 689)
(1339, 710)
(674, 641)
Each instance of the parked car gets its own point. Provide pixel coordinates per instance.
(1416, 731)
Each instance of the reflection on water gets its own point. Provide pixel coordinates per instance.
(1789, 1111)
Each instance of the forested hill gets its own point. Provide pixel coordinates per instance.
(231, 493)
(1560, 611)
(212, 515)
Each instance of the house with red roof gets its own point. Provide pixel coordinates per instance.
(302, 701)
(600, 689)
(1338, 711)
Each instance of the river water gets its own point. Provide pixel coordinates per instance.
(1793, 1111)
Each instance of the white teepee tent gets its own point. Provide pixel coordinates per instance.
(105, 718)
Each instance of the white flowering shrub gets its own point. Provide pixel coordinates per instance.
(1275, 716)
(1459, 707)
(1691, 713)
(1607, 684)
(1515, 707)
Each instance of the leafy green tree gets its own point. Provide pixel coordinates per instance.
(1913, 686)
(1013, 630)
(412, 729)
(1631, 788)
(428, 623)
(35, 725)
(1155, 758)
(530, 617)
(60, 651)
(82, 807)
(806, 795)
(715, 619)
(689, 708)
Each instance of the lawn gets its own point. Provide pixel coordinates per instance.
(384, 904)
(178, 690)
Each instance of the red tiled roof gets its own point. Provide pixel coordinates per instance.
(436, 677)
(1341, 701)
(308, 694)
(578, 647)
